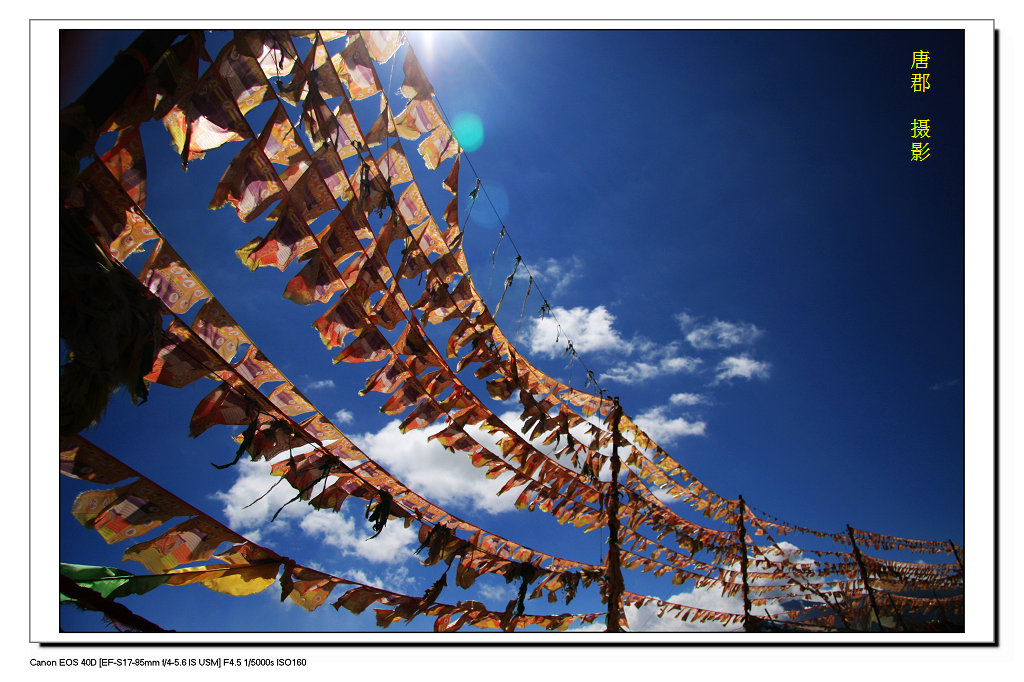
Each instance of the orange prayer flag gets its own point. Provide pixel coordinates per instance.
(249, 183)
(167, 276)
(355, 69)
(117, 222)
(193, 540)
(81, 459)
(213, 324)
(126, 161)
(415, 85)
(382, 45)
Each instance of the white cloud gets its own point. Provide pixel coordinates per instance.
(674, 365)
(664, 429)
(588, 329)
(685, 321)
(396, 578)
(686, 399)
(656, 359)
(743, 367)
(361, 577)
(560, 273)
(718, 334)
(637, 372)
(321, 383)
(255, 496)
(631, 374)
(445, 478)
(343, 416)
(393, 545)
(252, 499)
(496, 593)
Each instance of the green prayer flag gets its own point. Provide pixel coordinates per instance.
(109, 582)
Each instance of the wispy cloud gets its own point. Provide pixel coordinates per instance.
(741, 367)
(393, 577)
(717, 334)
(321, 383)
(361, 577)
(495, 592)
(557, 273)
(654, 360)
(944, 385)
(343, 416)
(687, 399)
(640, 371)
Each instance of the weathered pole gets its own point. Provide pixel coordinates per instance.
(956, 554)
(942, 611)
(864, 576)
(897, 614)
(742, 531)
(613, 568)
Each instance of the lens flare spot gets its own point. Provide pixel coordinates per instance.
(469, 131)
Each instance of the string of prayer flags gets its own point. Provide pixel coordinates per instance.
(127, 511)
(82, 460)
(195, 539)
(277, 166)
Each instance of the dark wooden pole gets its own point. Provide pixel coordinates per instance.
(897, 614)
(864, 576)
(956, 554)
(613, 568)
(742, 531)
(942, 611)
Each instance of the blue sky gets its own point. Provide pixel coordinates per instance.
(728, 226)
